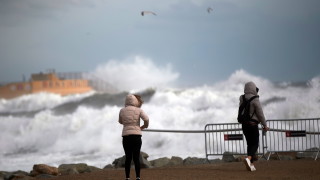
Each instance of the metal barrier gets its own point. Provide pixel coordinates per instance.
(286, 135)
(293, 135)
(228, 137)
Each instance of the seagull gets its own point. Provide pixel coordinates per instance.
(147, 12)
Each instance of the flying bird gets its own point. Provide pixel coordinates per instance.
(147, 12)
(209, 9)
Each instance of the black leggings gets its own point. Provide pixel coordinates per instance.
(251, 132)
(132, 145)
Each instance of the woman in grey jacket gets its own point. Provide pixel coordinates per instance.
(129, 117)
(250, 128)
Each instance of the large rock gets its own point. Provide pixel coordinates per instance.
(229, 157)
(119, 162)
(164, 162)
(175, 161)
(160, 162)
(215, 161)
(109, 166)
(21, 175)
(68, 170)
(44, 169)
(194, 161)
(4, 175)
(144, 163)
(76, 168)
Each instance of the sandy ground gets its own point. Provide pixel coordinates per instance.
(304, 169)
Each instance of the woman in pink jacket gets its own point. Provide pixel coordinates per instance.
(129, 117)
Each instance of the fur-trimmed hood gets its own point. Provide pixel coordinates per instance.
(131, 100)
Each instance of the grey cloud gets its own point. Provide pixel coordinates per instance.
(17, 12)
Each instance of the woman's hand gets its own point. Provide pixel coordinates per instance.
(266, 128)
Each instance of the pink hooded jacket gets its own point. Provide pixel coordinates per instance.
(130, 115)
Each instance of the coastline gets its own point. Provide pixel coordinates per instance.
(295, 169)
(273, 169)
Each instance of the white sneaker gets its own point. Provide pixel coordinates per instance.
(252, 167)
(247, 163)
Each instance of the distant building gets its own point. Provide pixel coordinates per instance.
(45, 82)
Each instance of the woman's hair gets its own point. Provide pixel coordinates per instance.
(139, 99)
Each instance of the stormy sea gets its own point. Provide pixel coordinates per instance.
(50, 129)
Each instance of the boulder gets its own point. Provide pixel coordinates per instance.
(160, 162)
(214, 161)
(144, 163)
(4, 175)
(109, 166)
(43, 176)
(16, 175)
(229, 157)
(76, 168)
(20, 177)
(68, 170)
(44, 169)
(194, 161)
(119, 162)
(175, 161)
(93, 168)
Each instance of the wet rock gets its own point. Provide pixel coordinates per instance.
(14, 175)
(68, 171)
(144, 163)
(175, 161)
(76, 168)
(194, 161)
(229, 157)
(43, 176)
(109, 166)
(21, 177)
(160, 162)
(213, 161)
(119, 162)
(44, 169)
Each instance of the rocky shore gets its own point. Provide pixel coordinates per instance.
(40, 171)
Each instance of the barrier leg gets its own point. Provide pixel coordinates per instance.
(269, 156)
(273, 153)
(317, 155)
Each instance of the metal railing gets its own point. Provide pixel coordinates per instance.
(226, 137)
(285, 135)
(293, 135)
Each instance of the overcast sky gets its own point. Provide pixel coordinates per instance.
(275, 39)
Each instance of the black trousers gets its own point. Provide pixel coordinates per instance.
(132, 145)
(251, 132)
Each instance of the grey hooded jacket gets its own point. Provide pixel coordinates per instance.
(130, 115)
(255, 106)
